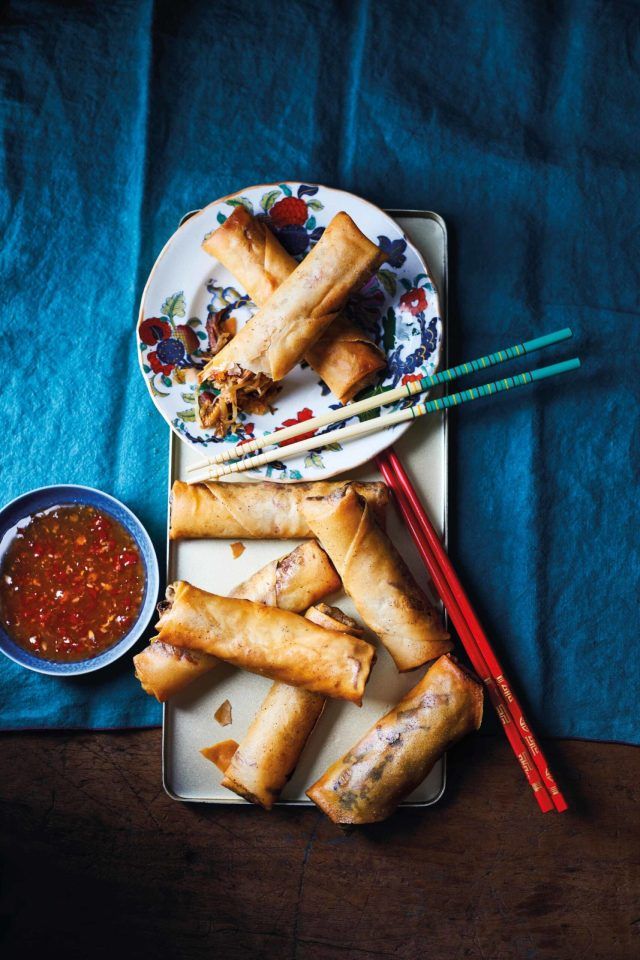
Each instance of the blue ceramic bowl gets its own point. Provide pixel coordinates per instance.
(42, 499)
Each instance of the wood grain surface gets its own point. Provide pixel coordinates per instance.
(98, 862)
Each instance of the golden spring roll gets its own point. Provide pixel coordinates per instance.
(246, 371)
(266, 640)
(164, 670)
(254, 511)
(344, 357)
(394, 757)
(377, 579)
(294, 581)
(268, 754)
(252, 253)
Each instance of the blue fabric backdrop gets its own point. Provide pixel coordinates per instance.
(516, 121)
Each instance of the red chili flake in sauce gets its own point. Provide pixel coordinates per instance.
(71, 583)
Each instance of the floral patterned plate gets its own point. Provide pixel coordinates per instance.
(398, 308)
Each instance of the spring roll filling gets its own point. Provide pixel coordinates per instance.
(235, 390)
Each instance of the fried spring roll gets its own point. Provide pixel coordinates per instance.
(251, 252)
(294, 581)
(377, 579)
(267, 756)
(254, 511)
(164, 670)
(394, 757)
(269, 753)
(246, 371)
(266, 640)
(344, 357)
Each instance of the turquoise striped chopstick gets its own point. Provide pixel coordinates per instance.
(384, 398)
(501, 356)
(391, 419)
(489, 389)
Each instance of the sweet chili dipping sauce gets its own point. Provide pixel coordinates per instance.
(71, 583)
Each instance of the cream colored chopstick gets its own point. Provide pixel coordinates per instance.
(390, 420)
(379, 400)
(212, 472)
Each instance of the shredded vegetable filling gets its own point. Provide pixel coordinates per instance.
(236, 390)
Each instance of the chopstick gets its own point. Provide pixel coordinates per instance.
(519, 747)
(384, 398)
(380, 423)
(473, 638)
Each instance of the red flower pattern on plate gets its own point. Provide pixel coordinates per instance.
(154, 329)
(301, 416)
(415, 301)
(289, 212)
(247, 432)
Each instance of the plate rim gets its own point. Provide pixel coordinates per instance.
(394, 432)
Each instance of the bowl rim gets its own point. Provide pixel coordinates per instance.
(55, 668)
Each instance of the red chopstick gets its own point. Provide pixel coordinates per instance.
(472, 636)
(495, 695)
(482, 641)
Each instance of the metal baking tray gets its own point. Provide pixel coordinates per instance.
(188, 722)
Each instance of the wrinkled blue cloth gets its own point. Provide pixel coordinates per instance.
(515, 121)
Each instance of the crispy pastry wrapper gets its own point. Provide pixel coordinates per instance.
(377, 579)
(297, 313)
(296, 580)
(343, 356)
(266, 640)
(346, 359)
(164, 670)
(254, 511)
(251, 252)
(268, 755)
(333, 618)
(394, 757)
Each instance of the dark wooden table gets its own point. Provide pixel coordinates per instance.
(99, 862)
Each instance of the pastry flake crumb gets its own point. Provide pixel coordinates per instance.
(223, 714)
(220, 753)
